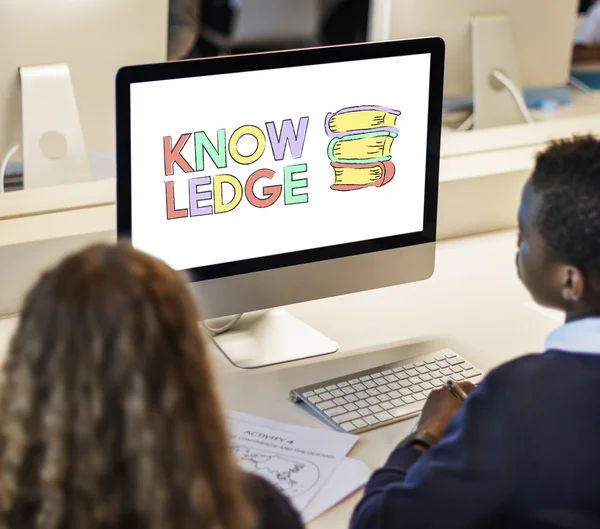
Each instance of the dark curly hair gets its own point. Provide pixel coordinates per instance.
(567, 180)
(109, 418)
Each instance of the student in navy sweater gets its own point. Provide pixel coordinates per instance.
(523, 451)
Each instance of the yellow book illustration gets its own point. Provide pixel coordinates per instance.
(362, 148)
(349, 177)
(361, 119)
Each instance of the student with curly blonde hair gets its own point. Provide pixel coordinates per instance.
(109, 416)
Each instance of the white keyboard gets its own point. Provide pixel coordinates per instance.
(386, 394)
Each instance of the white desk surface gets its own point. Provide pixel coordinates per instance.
(474, 303)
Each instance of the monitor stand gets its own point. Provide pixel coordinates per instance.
(494, 50)
(265, 338)
(52, 145)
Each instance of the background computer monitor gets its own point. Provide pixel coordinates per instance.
(279, 178)
(530, 41)
(94, 39)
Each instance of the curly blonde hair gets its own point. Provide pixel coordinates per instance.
(109, 416)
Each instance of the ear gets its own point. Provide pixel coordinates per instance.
(573, 284)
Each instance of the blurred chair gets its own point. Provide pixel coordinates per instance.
(270, 24)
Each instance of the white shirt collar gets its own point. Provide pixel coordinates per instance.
(579, 336)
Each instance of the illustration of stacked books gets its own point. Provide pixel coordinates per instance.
(360, 146)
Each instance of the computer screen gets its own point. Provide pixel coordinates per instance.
(244, 165)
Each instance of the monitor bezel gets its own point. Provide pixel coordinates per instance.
(282, 59)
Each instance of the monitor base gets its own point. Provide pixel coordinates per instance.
(271, 337)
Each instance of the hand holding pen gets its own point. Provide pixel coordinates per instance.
(441, 406)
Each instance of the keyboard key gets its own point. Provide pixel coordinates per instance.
(405, 383)
(394, 386)
(383, 398)
(376, 409)
(309, 394)
(350, 398)
(426, 386)
(457, 369)
(370, 384)
(401, 411)
(471, 372)
(391, 378)
(349, 390)
(408, 400)
(337, 393)
(387, 372)
(456, 361)
(435, 374)
(387, 405)
(319, 391)
(348, 426)
(364, 412)
(447, 372)
(362, 395)
(350, 416)
(422, 370)
(373, 401)
(412, 372)
(380, 381)
(419, 396)
(384, 388)
(332, 412)
(426, 377)
(414, 380)
(359, 423)
(450, 355)
(443, 363)
(331, 388)
(326, 396)
(476, 379)
(440, 358)
(362, 403)
(373, 392)
(365, 378)
(430, 361)
(340, 401)
(371, 420)
(326, 405)
(398, 369)
(315, 399)
(419, 363)
(351, 407)
(383, 416)
(403, 376)
(394, 394)
(406, 391)
(359, 387)
(343, 384)
(354, 381)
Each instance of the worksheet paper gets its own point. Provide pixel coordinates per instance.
(348, 478)
(295, 459)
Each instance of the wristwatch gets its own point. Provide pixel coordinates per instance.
(420, 437)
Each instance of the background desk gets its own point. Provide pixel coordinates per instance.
(474, 303)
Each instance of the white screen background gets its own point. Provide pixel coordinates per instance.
(175, 107)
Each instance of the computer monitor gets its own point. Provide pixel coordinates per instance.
(71, 51)
(528, 43)
(279, 178)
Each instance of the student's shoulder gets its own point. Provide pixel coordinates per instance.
(273, 509)
(524, 371)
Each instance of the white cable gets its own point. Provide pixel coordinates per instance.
(467, 124)
(220, 330)
(4, 165)
(516, 93)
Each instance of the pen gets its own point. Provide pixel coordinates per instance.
(456, 390)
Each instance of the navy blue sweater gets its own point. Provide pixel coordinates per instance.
(523, 452)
